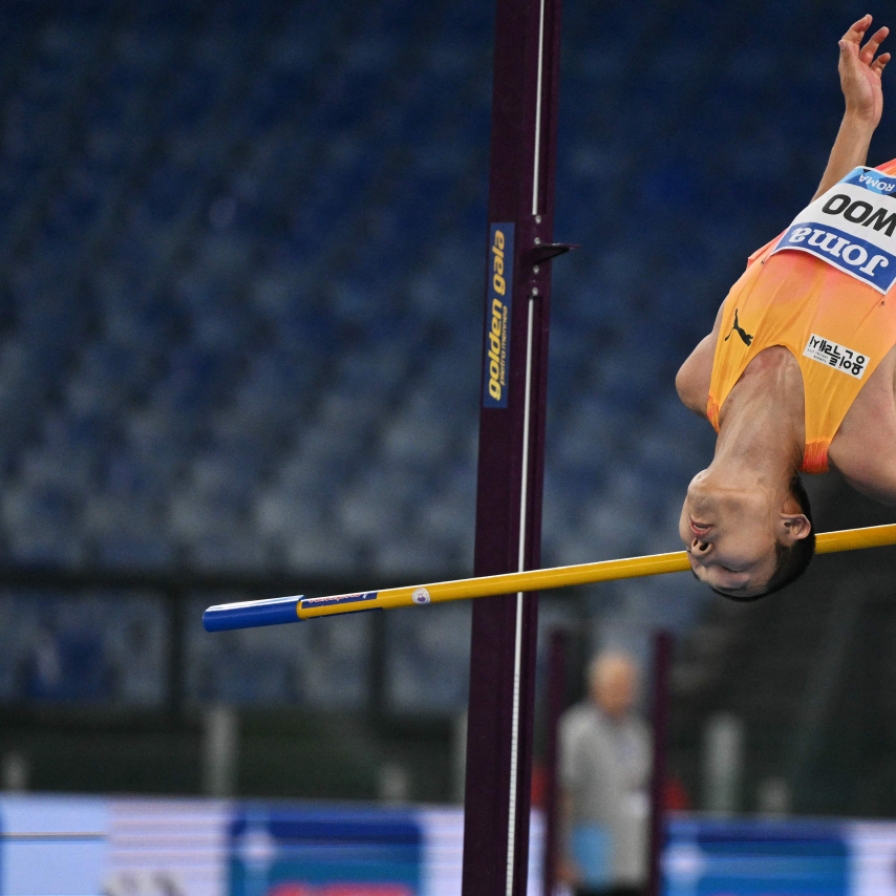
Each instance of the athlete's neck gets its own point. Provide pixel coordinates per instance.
(762, 425)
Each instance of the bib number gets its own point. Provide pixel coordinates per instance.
(852, 227)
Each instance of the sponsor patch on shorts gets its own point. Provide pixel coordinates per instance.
(832, 354)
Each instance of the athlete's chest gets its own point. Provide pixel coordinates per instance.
(839, 331)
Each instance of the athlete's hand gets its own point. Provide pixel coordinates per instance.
(860, 72)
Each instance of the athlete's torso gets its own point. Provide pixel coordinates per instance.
(839, 327)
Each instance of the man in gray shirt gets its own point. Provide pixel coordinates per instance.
(605, 761)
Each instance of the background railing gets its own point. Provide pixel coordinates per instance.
(108, 682)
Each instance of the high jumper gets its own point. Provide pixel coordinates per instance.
(817, 315)
(799, 371)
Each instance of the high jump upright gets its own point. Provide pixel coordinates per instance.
(511, 442)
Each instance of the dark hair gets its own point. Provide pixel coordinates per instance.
(791, 562)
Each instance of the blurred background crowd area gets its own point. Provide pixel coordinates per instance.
(242, 252)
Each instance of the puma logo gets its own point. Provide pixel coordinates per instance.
(747, 338)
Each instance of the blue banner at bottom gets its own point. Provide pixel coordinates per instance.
(82, 846)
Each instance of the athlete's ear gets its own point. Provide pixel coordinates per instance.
(793, 527)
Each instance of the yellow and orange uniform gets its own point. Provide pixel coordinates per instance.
(820, 291)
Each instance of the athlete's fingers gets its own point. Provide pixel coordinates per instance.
(851, 42)
(871, 47)
(873, 42)
(849, 52)
(857, 29)
(880, 62)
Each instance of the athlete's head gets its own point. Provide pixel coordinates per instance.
(747, 543)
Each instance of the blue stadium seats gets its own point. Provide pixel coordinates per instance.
(240, 303)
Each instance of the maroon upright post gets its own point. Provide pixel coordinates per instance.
(511, 443)
(556, 704)
(662, 662)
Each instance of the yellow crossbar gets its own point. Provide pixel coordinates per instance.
(293, 609)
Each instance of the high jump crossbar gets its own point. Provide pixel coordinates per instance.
(276, 611)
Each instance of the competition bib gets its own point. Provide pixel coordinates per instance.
(852, 227)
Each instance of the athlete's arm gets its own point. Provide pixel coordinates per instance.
(860, 81)
(693, 378)
(871, 473)
(864, 449)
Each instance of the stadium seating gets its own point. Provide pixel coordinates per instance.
(240, 292)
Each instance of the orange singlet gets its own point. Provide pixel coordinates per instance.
(838, 327)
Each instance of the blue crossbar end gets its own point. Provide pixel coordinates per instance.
(251, 614)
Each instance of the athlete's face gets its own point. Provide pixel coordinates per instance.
(730, 537)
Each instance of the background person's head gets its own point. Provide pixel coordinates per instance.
(613, 682)
(746, 543)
